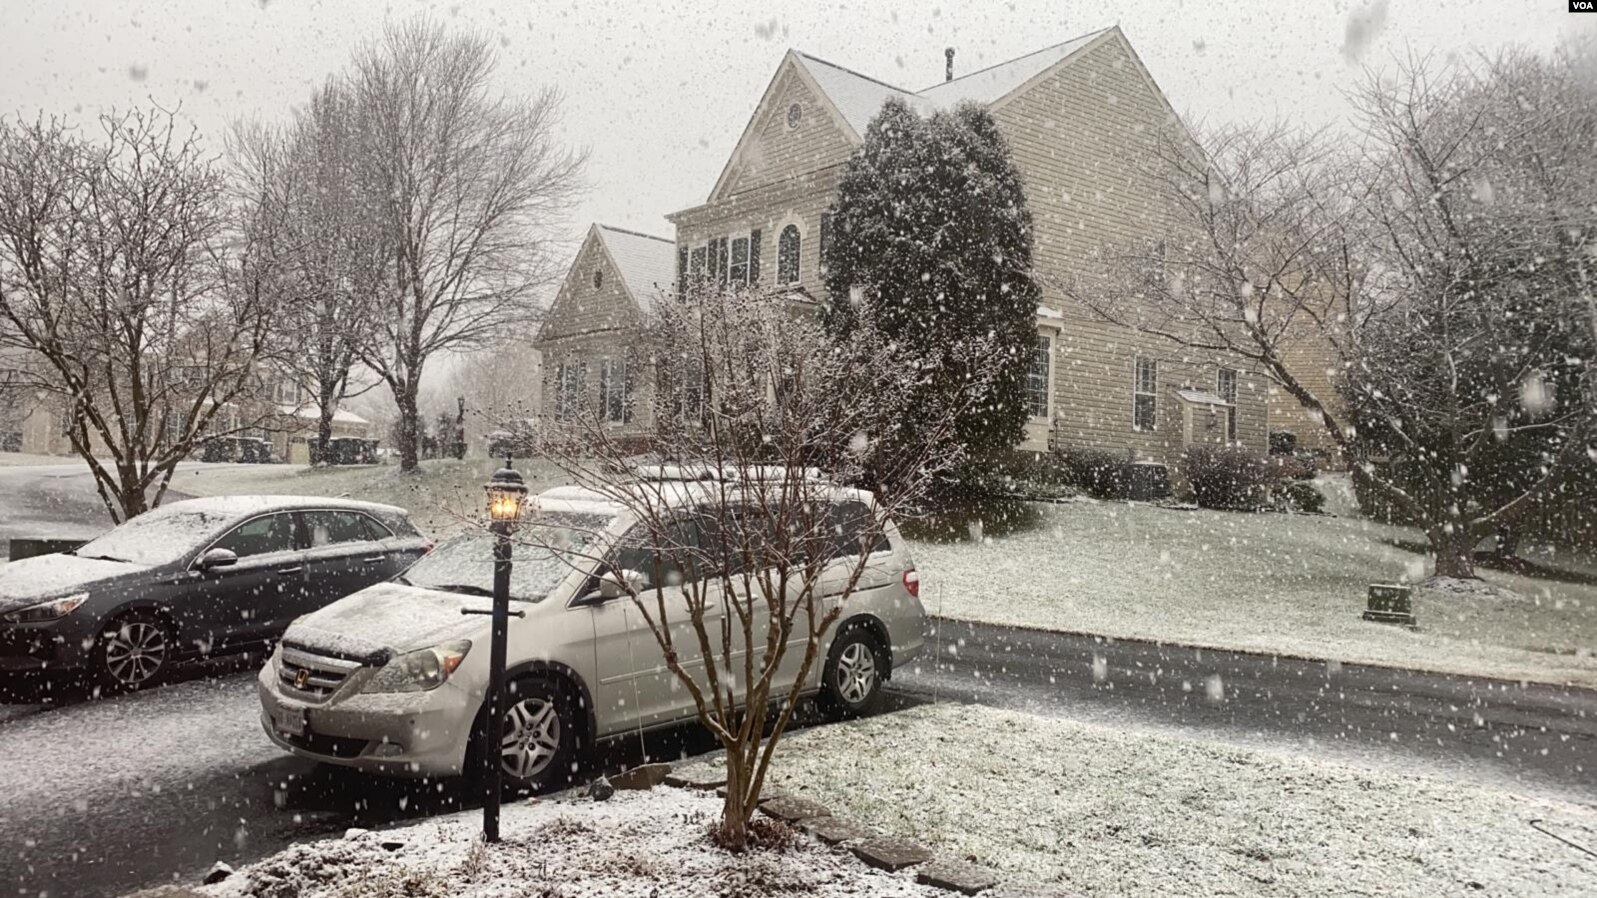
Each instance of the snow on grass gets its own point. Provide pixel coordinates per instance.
(1287, 584)
(436, 495)
(646, 844)
(29, 459)
(1107, 811)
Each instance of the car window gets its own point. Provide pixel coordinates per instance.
(852, 524)
(328, 528)
(670, 562)
(261, 536)
(374, 528)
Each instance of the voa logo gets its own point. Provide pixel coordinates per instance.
(1583, 5)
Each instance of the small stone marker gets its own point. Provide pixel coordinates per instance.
(837, 830)
(600, 789)
(794, 810)
(219, 872)
(696, 776)
(641, 778)
(956, 876)
(1390, 603)
(891, 853)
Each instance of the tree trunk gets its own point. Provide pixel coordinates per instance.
(1455, 554)
(324, 429)
(409, 419)
(734, 815)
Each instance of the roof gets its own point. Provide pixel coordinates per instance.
(244, 506)
(309, 413)
(859, 97)
(995, 82)
(647, 263)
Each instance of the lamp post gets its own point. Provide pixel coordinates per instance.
(507, 493)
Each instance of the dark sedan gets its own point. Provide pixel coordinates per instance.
(192, 579)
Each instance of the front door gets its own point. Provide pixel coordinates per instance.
(244, 601)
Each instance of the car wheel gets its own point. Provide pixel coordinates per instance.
(851, 681)
(539, 739)
(134, 651)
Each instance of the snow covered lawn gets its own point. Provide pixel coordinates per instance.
(435, 495)
(1117, 812)
(1288, 584)
(645, 844)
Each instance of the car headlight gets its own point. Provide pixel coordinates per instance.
(421, 670)
(55, 609)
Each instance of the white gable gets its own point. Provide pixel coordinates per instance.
(993, 83)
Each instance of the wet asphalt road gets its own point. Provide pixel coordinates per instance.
(120, 793)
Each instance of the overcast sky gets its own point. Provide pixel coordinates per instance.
(661, 90)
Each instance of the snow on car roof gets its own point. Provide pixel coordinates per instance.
(243, 506)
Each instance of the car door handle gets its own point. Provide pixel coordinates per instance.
(374, 559)
(299, 569)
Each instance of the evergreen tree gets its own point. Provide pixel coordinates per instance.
(932, 240)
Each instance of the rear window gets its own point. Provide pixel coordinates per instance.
(853, 526)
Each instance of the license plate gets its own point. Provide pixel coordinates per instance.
(289, 720)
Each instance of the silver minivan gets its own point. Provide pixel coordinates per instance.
(393, 679)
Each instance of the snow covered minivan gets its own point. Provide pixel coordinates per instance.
(393, 679)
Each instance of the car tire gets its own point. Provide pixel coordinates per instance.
(540, 737)
(851, 680)
(134, 651)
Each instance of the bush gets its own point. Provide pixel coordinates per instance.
(1283, 442)
(1229, 477)
(1298, 466)
(1299, 496)
(1096, 472)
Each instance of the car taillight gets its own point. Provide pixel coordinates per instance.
(426, 547)
(912, 582)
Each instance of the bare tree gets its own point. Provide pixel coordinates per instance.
(117, 277)
(327, 246)
(1434, 268)
(467, 189)
(759, 419)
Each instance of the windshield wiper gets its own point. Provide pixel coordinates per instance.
(465, 588)
(103, 558)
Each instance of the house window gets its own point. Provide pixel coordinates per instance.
(754, 256)
(1037, 379)
(696, 263)
(615, 391)
(568, 389)
(1226, 386)
(1145, 396)
(718, 260)
(787, 255)
(795, 114)
(682, 267)
(598, 278)
(739, 270)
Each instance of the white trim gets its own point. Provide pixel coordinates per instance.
(788, 219)
(1050, 382)
(1136, 391)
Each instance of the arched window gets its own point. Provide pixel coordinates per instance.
(787, 255)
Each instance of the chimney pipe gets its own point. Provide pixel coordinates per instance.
(948, 73)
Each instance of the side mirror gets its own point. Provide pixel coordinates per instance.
(610, 584)
(215, 558)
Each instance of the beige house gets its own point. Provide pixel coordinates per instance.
(1078, 116)
(588, 342)
(289, 424)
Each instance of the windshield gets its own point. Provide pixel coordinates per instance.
(157, 537)
(546, 548)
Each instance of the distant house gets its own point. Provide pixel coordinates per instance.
(589, 340)
(284, 418)
(1079, 117)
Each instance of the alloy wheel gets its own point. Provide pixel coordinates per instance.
(135, 652)
(531, 737)
(856, 673)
